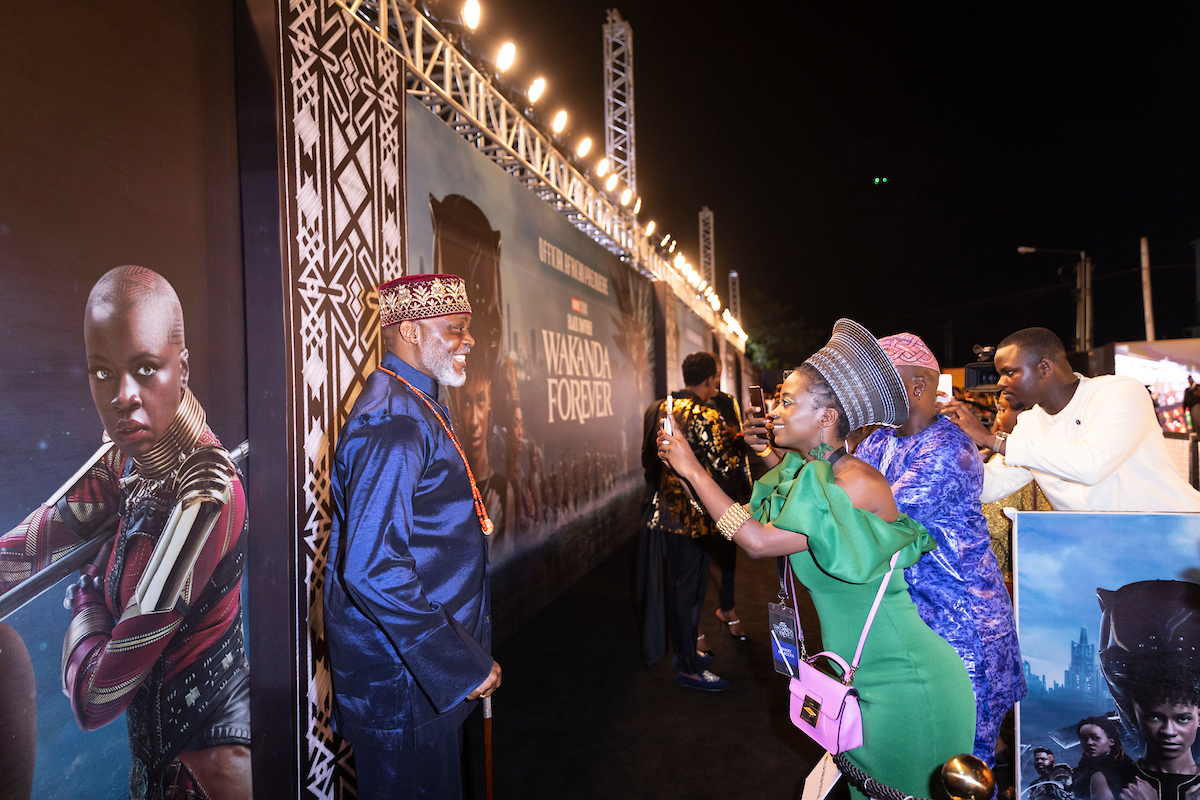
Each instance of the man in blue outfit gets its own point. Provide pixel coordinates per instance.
(936, 476)
(407, 608)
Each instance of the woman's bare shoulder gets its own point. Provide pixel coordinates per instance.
(868, 489)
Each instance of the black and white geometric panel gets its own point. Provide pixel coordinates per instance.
(343, 211)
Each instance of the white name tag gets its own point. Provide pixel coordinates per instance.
(823, 778)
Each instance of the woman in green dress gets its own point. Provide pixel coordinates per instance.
(836, 520)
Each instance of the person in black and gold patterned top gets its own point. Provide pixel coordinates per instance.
(673, 512)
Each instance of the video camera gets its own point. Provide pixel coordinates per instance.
(982, 375)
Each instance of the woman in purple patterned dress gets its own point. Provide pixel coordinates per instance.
(936, 476)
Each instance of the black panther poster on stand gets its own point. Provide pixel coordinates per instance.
(1108, 614)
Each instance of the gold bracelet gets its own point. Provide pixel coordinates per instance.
(763, 453)
(732, 520)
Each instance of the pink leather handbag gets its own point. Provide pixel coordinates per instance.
(822, 706)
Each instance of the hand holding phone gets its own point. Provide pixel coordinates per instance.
(756, 401)
(945, 390)
(668, 415)
(667, 426)
(757, 428)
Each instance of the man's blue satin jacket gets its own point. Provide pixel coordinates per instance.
(407, 608)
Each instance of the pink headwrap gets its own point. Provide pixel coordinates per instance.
(905, 349)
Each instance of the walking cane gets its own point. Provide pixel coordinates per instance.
(487, 746)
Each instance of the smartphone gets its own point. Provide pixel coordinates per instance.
(666, 417)
(945, 390)
(756, 401)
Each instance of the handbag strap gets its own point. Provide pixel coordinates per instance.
(848, 678)
(791, 588)
(862, 640)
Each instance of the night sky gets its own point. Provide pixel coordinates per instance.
(1073, 126)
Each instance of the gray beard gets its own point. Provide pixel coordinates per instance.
(441, 364)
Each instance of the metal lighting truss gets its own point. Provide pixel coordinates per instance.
(466, 100)
(735, 296)
(707, 270)
(446, 83)
(618, 98)
(666, 271)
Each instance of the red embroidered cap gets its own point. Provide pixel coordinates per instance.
(422, 297)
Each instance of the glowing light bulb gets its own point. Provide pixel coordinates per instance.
(637, 206)
(649, 226)
(679, 260)
(626, 196)
(506, 57)
(470, 14)
(602, 168)
(584, 147)
(611, 183)
(560, 121)
(666, 239)
(671, 249)
(535, 89)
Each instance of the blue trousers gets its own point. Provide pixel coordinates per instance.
(431, 771)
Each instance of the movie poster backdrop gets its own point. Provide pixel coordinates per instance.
(1108, 615)
(550, 416)
(139, 167)
(693, 334)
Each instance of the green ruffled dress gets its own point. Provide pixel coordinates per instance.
(917, 703)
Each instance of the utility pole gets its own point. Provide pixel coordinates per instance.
(948, 342)
(1196, 245)
(1083, 293)
(1089, 322)
(1147, 298)
(1083, 303)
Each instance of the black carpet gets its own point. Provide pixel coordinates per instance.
(579, 715)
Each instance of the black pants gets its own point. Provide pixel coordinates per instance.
(687, 581)
(431, 771)
(724, 555)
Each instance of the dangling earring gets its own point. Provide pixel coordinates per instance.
(821, 449)
(918, 393)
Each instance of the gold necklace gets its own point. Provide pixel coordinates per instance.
(180, 438)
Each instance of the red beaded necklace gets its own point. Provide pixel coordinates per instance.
(480, 510)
